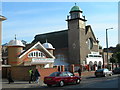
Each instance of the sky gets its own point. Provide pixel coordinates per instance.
(27, 19)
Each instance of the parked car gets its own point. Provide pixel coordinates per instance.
(61, 78)
(116, 70)
(103, 72)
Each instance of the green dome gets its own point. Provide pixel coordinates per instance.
(75, 8)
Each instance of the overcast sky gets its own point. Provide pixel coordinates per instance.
(27, 19)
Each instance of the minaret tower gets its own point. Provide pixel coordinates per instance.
(76, 30)
(15, 48)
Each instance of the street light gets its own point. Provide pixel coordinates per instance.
(107, 43)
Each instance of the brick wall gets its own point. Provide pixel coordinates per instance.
(22, 72)
(46, 72)
(86, 73)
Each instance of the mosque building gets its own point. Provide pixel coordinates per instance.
(75, 46)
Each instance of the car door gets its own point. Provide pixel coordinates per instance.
(64, 76)
(71, 77)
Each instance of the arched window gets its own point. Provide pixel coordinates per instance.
(95, 63)
(99, 63)
(90, 43)
(36, 54)
(91, 65)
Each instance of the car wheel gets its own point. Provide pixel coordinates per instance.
(77, 81)
(49, 85)
(110, 74)
(61, 83)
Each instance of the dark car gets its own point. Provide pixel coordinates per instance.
(61, 78)
(103, 72)
(116, 70)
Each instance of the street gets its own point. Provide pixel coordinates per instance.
(87, 82)
(93, 82)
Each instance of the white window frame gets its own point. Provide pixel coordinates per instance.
(34, 54)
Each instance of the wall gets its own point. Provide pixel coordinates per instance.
(22, 72)
(83, 46)
(74, 41)
(46, 72)
(13, 56)
(86, 74)
(62, 51)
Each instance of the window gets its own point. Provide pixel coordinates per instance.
(63, 74)
(98, 56)
(55, 74)
(70, 74)
(90, 43)
(106, 70)
(91, 56)
(74, 15)
(36, 54)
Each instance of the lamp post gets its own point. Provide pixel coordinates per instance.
(107, 44)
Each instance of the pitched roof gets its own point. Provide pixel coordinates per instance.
(33, 45)
(86, 31)
(58, 39)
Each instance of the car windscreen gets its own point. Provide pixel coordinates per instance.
(55, 74)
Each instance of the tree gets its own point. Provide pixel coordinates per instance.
(117, 55)
(117, 49)
(113, 60)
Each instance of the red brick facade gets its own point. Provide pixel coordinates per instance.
(21, 73)
(46, 72)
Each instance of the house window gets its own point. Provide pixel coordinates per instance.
(36, 54)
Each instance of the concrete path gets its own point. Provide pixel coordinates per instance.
(21, 84)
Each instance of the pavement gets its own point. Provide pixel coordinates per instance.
(21, 84)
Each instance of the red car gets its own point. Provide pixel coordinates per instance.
(61, 78)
